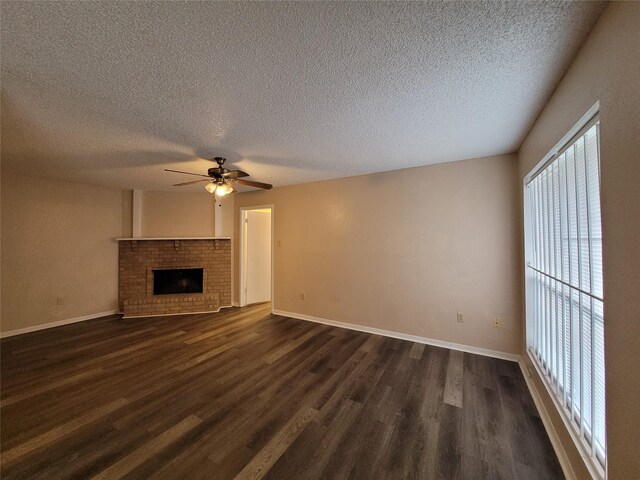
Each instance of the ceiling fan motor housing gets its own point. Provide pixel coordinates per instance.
(216, 172)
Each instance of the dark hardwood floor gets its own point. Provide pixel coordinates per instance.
(247, 394)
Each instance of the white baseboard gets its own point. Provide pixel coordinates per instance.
(561, 453)
(176, 313)
(403, 336)
(59, 323)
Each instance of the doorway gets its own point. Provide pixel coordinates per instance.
(256, 255)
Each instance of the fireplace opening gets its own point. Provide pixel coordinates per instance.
(179, 280)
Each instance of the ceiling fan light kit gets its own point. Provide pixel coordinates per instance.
(223, 189)
(220, 181)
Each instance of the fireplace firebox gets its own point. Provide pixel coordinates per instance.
(177, 280)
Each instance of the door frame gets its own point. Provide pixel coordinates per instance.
(243, 229)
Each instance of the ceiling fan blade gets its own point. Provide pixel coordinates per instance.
(235, 174)
(186, 173)
(251, 183)
(188, 183)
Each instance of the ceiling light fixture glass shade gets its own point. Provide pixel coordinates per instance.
(224, 189)
(210, 187)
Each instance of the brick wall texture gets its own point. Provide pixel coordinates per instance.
(138, 259)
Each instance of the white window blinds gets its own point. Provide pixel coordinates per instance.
(565, 318)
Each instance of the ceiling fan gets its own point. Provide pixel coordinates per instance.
(221, 180)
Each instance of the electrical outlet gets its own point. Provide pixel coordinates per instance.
(278, 243)
(302, 296)
(59, 301)
(459, 318)
(497, 323)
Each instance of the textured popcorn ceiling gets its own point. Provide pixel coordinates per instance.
(112, 93)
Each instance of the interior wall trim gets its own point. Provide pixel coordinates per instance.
(58, 323)
(557, 445)
(512, 357)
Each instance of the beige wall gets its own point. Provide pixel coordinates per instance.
(607, 69)
(177, 214)
(403, 250)
(227, 215)
(58, 242)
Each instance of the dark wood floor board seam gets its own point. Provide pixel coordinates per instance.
(164, 393)
(264, 459)
(137, 457)
(115, 341)
(292, 345)
(50, 386)
(9, 456)
(100, 389)
(220, 329)
(59, 336)
(132, 348)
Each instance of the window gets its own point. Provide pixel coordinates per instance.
(565, 314)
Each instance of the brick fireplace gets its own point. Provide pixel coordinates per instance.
(139, 258)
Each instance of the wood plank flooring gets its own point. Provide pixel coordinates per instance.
(246, 394)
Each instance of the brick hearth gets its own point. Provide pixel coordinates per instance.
(138, 259)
